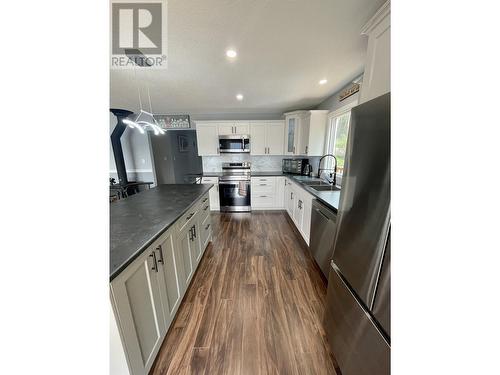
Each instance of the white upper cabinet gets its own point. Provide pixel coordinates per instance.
(258, 145)
(305, 132)
(377, 76)
(274, 138)
(233, 127)
(242, 127)
(266, 138)
(207, 136)
(226, 129)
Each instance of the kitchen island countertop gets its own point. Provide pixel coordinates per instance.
(137, 221)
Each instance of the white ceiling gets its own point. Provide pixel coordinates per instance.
(284, 48)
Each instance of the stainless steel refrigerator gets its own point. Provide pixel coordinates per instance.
(357, 316)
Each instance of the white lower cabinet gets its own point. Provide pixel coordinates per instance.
(214, 192)
(267, 192)
(288, 197)
(298, 204)
(146, 295)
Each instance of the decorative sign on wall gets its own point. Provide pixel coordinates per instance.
(348, 92)
(173, 121)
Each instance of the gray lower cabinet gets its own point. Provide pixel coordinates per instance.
(138, 308)
(169, 278)
(146, 295)
(185, 248)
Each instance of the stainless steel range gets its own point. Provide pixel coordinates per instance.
(234, 187)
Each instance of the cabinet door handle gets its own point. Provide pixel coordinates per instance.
(204, 200)
(306, 149)
(191, 234)
(208, 226)
(190, 216)
(194, 231)
(294, 149)
(155, 265)
(206, 208)
(159, 248)
(291, 195)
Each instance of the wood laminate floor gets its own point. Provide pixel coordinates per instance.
(255, 305)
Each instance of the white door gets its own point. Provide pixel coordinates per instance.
(291, 135)
(258, 139)
(170, 286)
(214, 198)
(298, 213)
(208, 139)
(274, 138)
(306, 220)
(242, 128)
(227, 129)
(289, 199)
(138, 304)
(280, 192)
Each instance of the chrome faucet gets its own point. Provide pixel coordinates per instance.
(334, 181)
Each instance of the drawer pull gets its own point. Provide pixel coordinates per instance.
(190, 216)
(208, 226)
(204, 200)
(263, 184)
(206, 207)
(155, 264)
(161, 255)
(263, 196)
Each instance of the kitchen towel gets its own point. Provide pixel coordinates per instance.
(242, 188)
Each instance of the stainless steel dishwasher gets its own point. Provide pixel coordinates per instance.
(323, 227)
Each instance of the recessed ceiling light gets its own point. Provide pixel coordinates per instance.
(239, 97)
(323, 81)
(231, 53)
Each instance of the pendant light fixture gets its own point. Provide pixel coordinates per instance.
(144, 120)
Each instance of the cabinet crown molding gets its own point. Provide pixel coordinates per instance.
(383, 12)
(306, 112)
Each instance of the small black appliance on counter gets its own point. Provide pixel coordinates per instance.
(295, 166)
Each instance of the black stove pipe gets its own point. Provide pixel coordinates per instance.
(117, 144)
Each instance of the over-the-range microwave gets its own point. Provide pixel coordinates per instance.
(234, 143)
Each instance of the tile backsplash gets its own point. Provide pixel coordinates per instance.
(259, 163)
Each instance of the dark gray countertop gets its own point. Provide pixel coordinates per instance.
(252, 173)
(330, 198)
(137, 221)
(274, 173)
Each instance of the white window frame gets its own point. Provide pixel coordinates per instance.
(332, 116)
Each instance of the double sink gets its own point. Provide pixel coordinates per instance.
(320, 185)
